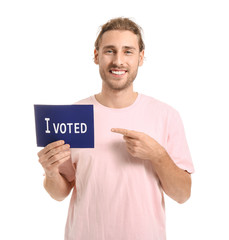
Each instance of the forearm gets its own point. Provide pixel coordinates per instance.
(175, 182)
(57, 187)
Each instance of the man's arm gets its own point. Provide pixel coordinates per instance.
(51, 157)
(175, 182)
(58, 187)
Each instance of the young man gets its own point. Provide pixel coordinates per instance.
(140, 152)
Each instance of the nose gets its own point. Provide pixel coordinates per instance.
(118, 59)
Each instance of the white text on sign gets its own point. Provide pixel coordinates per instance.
(66, 127)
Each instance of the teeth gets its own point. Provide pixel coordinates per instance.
(118, 72)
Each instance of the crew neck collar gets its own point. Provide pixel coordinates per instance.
(94, 100)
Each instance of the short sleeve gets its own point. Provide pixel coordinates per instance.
(177, 146)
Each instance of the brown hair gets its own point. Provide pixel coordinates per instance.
(121, 24)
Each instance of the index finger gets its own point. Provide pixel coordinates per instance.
(125, 132)
(50, 146)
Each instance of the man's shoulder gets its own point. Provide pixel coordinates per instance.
(156, 103)
(87, 100)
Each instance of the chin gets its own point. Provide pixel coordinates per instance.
(118, 86)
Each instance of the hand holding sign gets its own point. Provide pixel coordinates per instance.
(52, 156)
(140, 145)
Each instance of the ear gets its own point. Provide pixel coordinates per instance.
(141, 58)
(96, 58)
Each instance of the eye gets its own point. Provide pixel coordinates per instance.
(129, 52)
(110, 51)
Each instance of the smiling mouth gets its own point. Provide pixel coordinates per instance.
(118, 72)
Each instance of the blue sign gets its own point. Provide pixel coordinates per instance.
(72, 123)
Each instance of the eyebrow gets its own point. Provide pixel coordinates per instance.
(124, 47)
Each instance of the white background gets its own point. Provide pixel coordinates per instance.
(46, 56)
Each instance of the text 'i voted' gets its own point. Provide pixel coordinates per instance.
(66, 127)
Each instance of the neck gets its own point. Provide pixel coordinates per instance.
(117, 98)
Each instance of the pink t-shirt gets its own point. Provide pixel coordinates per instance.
(117, 196)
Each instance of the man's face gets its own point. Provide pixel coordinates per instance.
(118, 58)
